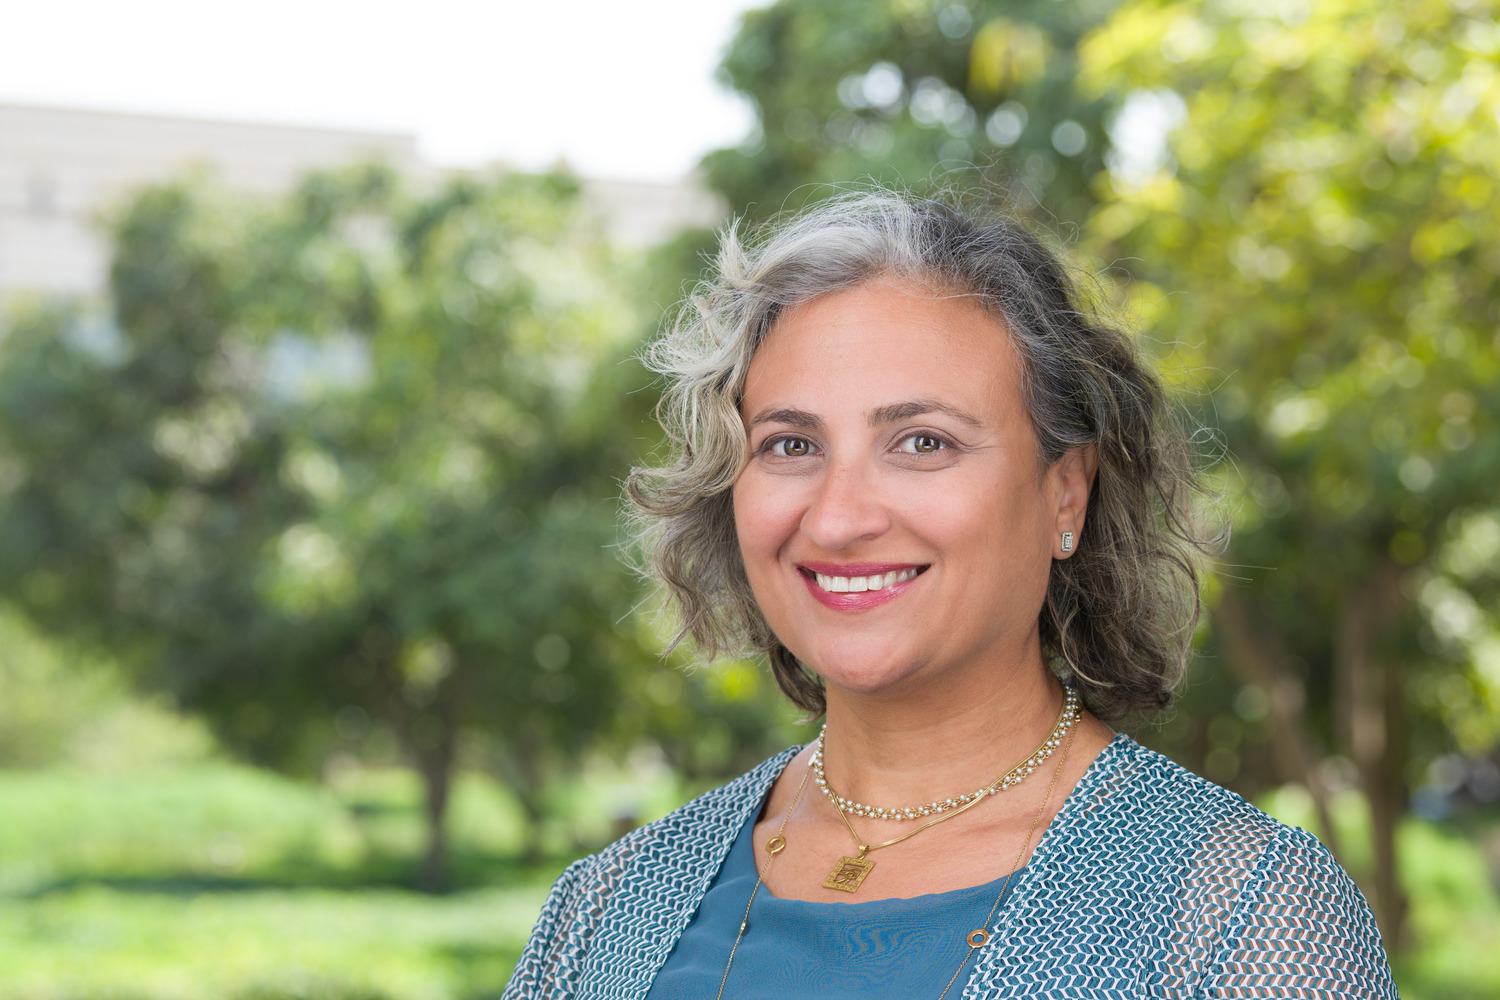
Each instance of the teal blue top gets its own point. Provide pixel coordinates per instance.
(896, 948)
(1149, 884)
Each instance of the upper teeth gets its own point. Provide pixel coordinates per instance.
(860, 584)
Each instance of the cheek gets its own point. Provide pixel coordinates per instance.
(997, 523)
(754, 520)
(766, 515)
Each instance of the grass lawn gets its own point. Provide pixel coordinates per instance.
(96, 941)
(213, 881)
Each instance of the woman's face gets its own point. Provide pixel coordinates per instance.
(895, 520)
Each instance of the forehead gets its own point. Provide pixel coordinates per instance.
(881, 342)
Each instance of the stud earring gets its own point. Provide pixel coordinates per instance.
(1067, 541)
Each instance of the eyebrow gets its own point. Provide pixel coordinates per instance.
(888, 414)
(790, 416)
(918, 407)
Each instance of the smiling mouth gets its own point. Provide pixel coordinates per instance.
(863, 584)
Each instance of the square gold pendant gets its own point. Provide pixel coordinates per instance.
(848, 874)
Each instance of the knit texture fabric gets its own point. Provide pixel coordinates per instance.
(1150, 882)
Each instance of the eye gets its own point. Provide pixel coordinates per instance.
(922, 444)
(790, 447)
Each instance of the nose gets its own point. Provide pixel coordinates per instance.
(846, 508)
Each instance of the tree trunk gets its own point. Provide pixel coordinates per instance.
(433, 738)
(519, 767)
(437, 778)
(1372, 715)
(1257, 656)
(428, 733)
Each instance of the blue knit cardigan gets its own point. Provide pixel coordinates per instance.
(1150, 882)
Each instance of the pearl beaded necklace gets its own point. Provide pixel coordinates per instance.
(1010, 778)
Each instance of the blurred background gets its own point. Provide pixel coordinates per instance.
(318, 656)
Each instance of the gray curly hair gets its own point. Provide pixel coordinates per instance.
(1119, 615)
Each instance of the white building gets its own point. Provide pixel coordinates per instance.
(62, 169)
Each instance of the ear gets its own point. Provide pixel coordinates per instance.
(1073, 480)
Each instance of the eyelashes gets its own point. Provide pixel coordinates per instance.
(788, 446)
(916, 443)
(923, 443)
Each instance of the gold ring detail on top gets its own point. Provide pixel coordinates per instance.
(977, 938)
(774, 846)
(939, 806)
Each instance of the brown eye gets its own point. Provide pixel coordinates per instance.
(923, 444)
(792, 447)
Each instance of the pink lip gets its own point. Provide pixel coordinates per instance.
(856, 569)
(855, 602)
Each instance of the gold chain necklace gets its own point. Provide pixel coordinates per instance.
(980, 936)
(1010, 778)
(774, 846)
(976, 938)
(850, 873)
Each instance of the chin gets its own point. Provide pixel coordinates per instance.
(863, 668)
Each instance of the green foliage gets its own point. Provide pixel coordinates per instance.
(341, 471)
(1307, 195)
(1455, 913)
(1320, 245)
(63, 706)
(914, 93)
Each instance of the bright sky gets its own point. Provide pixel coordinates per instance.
(619, 88)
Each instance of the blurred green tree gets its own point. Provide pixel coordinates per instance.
(57, 707)
(342, 461)
(952, 93)
(1308, 195)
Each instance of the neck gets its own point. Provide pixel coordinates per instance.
(904, 749)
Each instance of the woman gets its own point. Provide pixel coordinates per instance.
(952, 510)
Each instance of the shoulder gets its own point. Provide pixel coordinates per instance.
(1299, 919)
(619, 912)
(700, 826)
(1143, 816)
(1146, 804)
(1193, 888)
(700, 831)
